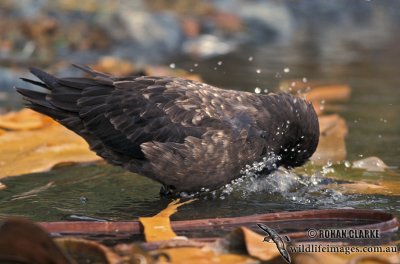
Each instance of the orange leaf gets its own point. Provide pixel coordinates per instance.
(158, 227)
(38, 144)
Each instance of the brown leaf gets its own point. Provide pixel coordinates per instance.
(332, 145)
(86, 251)
(383, 188)
(317, 90)
(22, 241)
(201, 256)
(243, 240)
(329, 93)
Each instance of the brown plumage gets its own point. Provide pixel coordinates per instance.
(181, 133)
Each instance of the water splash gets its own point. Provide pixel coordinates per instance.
(281, 184)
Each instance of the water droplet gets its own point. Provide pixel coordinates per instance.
(286, 70)
(257, 90)
(219, 63)
(265, 90)
(196, 65)
(304, 79)
(347, 164)
(172, 65)
(250, 58)
(83, 199)
(258, 71)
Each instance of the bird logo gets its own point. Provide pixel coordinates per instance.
(273, 236)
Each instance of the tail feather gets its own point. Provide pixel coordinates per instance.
(51, 112)
(60, 99)
(48, 79)
(91, 71)
(35, 82)
(39, 100)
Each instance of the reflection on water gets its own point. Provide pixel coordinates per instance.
(103, 192)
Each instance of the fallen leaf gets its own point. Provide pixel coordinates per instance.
(201, 256)
(382, 188)
(332, 145)
(86, 251)
(22, 241)
(329, 93)
(243, 240)
(38, 144)
(25, 119)
(317, 90)
(132, 254)
(158, 227)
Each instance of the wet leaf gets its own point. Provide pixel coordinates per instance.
(158, 227)
(23, 120)
(243, 240)
(86, 251)
(329, 93)
(131, 253)
(332, 145)
(22, 241)
(201, 255)
(382, 188)
(317, 90)
(36, 143)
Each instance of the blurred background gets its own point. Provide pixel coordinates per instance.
(233, 44)
(249, 45)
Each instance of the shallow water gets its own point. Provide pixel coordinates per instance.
(104, 192)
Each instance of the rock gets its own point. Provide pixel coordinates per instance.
(370, 164)
(154, 34)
